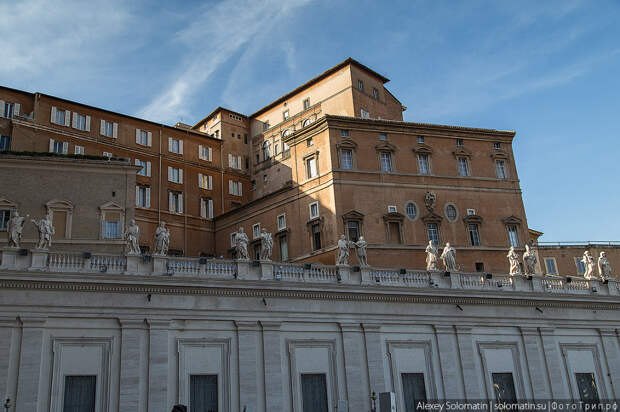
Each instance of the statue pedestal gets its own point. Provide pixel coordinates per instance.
(455, 281)
(438, 280)
(9, 258)
(366, 275)
(38, 259)
(537, 284)
(266, 270)
(160, 266)
(132, 264)
(521, 283)
(344, 274)
(243, 269)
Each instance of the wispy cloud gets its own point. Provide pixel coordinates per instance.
(216, 34)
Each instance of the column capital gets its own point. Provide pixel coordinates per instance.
(271, 326)
(371, 327)
(608, 332)
(33, 321)
(528, 330)
(547, 331)
(158, 324)
(246, 326)
(127, 323)
(444, 329)
(350, 326)
(462, 330)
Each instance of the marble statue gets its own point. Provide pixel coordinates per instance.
(132, 233)
(162, 239)
(360, 251)
(46, 230)
(588, 262)
(14, 229)
(430, 201)
(449, 258)
(241, 244)
(513, 258)
(343, 251)
(604, 268)
(431, 256)
(529, 260)
(266, 245)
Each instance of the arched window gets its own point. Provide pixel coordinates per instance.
(266, 150)
(307, 122)
(286, 132)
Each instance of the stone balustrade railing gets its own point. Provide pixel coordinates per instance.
(203, 268)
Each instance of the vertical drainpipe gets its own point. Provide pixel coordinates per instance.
(185, 202)
(159, 183)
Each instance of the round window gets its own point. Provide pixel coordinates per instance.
(451, 212)
(411, 210)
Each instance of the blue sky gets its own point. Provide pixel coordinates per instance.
(549, 70)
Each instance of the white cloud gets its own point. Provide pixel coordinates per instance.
(216, 34)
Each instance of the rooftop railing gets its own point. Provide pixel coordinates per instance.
(167, 267)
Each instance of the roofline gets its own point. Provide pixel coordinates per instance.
(35, 94)
(218, 109)
(510, 133)
(348, 61)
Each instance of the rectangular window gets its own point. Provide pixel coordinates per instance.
(394, 232)
(58, 147)
(206, 208)
(175, 145)
(283, 248)
(276, 149)
(414, 390)
(144, 138)
(5, 215)
(497, 145)
(203, 393)
(353, 230)
(386, 162)
(375, 93)
(309, 142)
(7, 110)
(306, 103)
(60, 117)
(80, 393)
(205, 153)
(344, 133)
(433, 233)
(364, 114)
(175, 202)
(316, 237)
(500, 168)
(346, 159)
(392, 209)
(586, 383)
(420, 139)
(255, 230)
(282, 221)
(459, 142)
(581, 267)
(107, 154)
(474, 236)
(266, 125)
(311, 168)
(205, 181)
(175, 175)
(314, 392)
(463, 166)
(314, 210)
(285, 115)
(550, 266)
(5, 142)
(513, 235)
(109, 129)
(78, 150)
(504, 387)
(143, 196)
(235, 188)
(423, 164)
(111, 225)
(245, 138)
(81, 122)
(360, 85)
(146, 167)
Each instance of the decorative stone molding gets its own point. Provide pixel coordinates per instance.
(57, 205)
(461, 152)
(423, 148)
(472, 219)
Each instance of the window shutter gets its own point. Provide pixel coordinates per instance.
(67, 118)
(148, 197)
(180, 203)
(137, 162)
(210, 154)
(137, 135)
(170, 144)
(16, 109)
(210, 208)
(1, 108)
(180, 146)
(230, 187)
(137, 195)
(148, 169)
(51, 149)
(180, 175)
(170, 202)
(102, 127)
(150, 139)
(203, 208)
(74, 120)
(201, 180)
(210, 182)
(200, 152)
(52, 116)
(88, 123)
(115, 131)
(169, 173)
(230, 162)
(240, 189)
(65, 147)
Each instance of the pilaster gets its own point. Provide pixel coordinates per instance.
(30, 364)
(609, 337)
(451, 375)
(468, 363)
(535, 364)
(559, 386)
(158, 366)
(132, 380)
(273, 366)
(353, 343)
(248, 340)
(374, 354)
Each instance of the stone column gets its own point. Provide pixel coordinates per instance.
(468, 363)
(609, 338)
(30, 364)
(353, 342)
(158, 366)
(535, 364)
(248, 340)
(374, 354)
(273, 366)
(7, 329)
(450, 366)
(132, 382)
(559, 386)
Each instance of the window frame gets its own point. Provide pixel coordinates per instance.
(437, 241)
(318, 212)
(382, 165)
(427, 164)
(279, 226)
(416, 210)
(473, 230)
(463, 160)
(504, 172)
(516, 234)
(555, 266)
